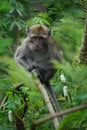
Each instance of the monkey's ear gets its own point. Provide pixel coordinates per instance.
(49, 32)
(27, 30)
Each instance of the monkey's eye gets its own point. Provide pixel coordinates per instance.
(34, 38)
(41, 38)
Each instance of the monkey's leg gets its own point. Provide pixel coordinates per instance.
(53, 98)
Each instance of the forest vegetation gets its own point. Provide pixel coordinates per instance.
(21, 102)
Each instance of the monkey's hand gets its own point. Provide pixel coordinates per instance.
(31, 67)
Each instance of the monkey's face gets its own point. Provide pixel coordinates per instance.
(38, 43)
(38, 35)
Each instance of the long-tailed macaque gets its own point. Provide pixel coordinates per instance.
(36, 53)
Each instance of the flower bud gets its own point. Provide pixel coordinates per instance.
(10, 117)
(65, 91)
(62, 77)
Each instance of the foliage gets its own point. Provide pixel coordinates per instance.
(72, 121)
(5, 46)
(75, 80)
(15, 100)
(42, 18)
(69, 33)
(66, 20)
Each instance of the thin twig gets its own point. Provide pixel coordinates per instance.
(16, 87)
(3, 102)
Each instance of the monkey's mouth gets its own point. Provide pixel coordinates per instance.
(37, 48)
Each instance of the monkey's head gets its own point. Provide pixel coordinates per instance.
(38, 35)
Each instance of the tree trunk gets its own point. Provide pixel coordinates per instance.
(83, 50)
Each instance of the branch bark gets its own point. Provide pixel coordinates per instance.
(3, 102)
(83, 50)
(49, 105)
(19, 122)
(17, 86)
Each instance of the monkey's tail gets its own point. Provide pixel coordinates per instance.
(53, 99)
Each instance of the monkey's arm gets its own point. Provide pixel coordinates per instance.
(22, 58)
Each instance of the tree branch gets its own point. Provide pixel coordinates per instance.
(48, 103)
(50, 117)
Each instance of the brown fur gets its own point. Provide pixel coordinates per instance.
(39, 29)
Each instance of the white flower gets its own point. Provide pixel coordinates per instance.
(65, 91)
(10, 116)
(62, 77)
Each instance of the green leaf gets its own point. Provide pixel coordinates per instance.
(2, 127)
(4, 5)
(5, 43)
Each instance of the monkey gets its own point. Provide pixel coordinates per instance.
(36, 52)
